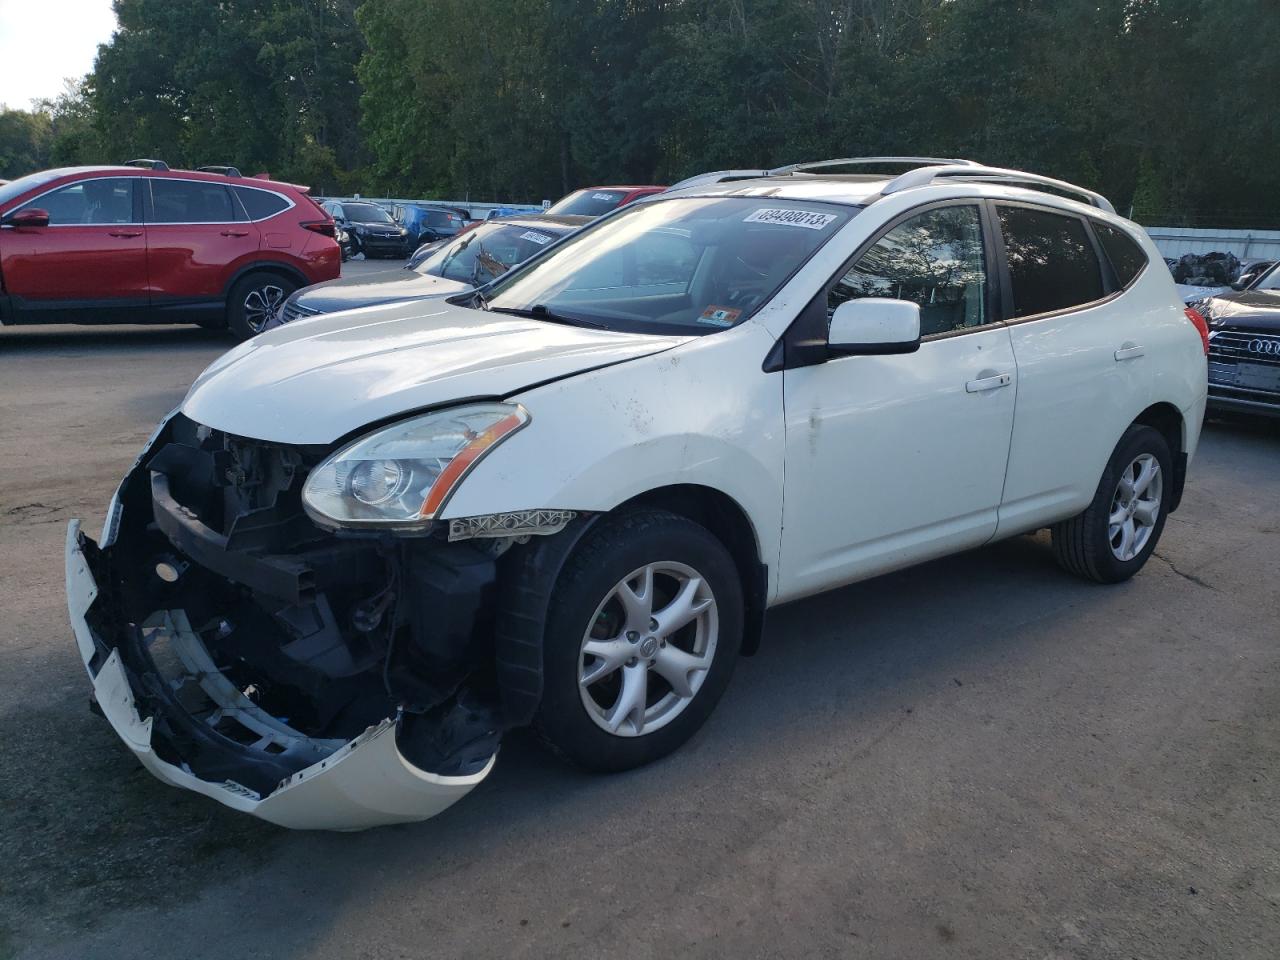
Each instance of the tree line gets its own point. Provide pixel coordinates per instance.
(1167, 106)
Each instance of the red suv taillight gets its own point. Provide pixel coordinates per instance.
(1201, 327)
(325, 227)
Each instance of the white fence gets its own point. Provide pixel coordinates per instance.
(479, 211)
(1245, 244)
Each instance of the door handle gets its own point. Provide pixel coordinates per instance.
(124, 233)
(988, 383)
(1130, 351)
(235, 233)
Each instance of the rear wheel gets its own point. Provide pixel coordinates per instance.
(1112, 539)
(254, 301)
(640, 641)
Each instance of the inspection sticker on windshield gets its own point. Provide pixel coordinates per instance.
(603, 196)
(791, 218)
(539, 238)
(719, 316)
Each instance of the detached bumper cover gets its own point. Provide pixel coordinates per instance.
(365, 783)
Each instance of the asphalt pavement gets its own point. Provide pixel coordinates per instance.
(980, 757)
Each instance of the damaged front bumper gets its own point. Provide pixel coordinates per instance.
(150, 667)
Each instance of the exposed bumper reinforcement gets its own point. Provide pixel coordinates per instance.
(365, 783)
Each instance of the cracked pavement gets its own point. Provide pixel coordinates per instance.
(980, 757)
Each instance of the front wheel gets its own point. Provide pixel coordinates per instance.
(254, 301)
(1112, 539)
(641, 638)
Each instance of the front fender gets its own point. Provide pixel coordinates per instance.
(702, 413)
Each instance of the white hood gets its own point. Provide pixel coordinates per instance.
(315, 380)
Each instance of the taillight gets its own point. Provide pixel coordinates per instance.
(1201, 326)
(323, 227)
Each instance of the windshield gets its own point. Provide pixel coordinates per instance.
(691, 266)
(366, 213)
(15, 188)
(488, 251)
(588, 203)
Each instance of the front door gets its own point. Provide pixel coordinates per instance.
(88, 265)
(895, 459)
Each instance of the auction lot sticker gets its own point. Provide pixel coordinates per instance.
(534, 237)
(719, 316)
(791, 218)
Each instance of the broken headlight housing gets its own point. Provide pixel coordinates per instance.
(401, 476)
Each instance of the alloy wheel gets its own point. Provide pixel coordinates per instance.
(648, 649)
(261, 304)
(1135, 507)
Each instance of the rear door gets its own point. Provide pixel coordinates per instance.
(88, 265)
(197, 237)
(1083, 374)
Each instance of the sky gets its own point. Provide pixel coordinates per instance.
(42, 42)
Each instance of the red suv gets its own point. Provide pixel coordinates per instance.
(146, 244)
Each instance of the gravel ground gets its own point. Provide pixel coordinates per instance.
(980, 757)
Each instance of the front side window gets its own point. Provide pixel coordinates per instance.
(1269, 280)
(588, 203)
(934, 259)
(190, 201)
(89, 202)
(688, 265)
(1127, 258)
(1052, 265)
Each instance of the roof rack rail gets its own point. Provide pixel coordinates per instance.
(224, 171)
(147, 164)
(926, 175)
(869, 162)
(716, 176)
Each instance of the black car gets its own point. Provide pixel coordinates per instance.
(439, 269)
(1244, 347)
(372, 230)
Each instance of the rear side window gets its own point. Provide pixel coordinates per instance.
(189, 201)
(437, 218)
(1127, 258)
(260, 204)
(1052, 265)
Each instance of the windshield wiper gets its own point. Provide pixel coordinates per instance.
(539, 311)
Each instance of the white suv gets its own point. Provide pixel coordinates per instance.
(369, 542)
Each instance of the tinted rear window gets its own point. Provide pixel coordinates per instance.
(1052, 265)
(1127, 258)
(260, 204)
(190, 201)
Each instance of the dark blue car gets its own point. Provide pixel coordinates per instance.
(429, 222)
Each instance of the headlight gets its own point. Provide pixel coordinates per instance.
(404, 232)
(401, 476)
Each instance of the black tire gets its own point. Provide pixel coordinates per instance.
(1082, 545)
(605, 556)
(270, 289)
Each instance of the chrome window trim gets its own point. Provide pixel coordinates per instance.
(158, 223)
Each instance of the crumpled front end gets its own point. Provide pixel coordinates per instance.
(312, 680)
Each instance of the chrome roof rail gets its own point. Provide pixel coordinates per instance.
(716, 176)
(868, 162)
(924, 176)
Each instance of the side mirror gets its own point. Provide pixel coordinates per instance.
(28, 217)
(875, 325)
(1238, 285)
